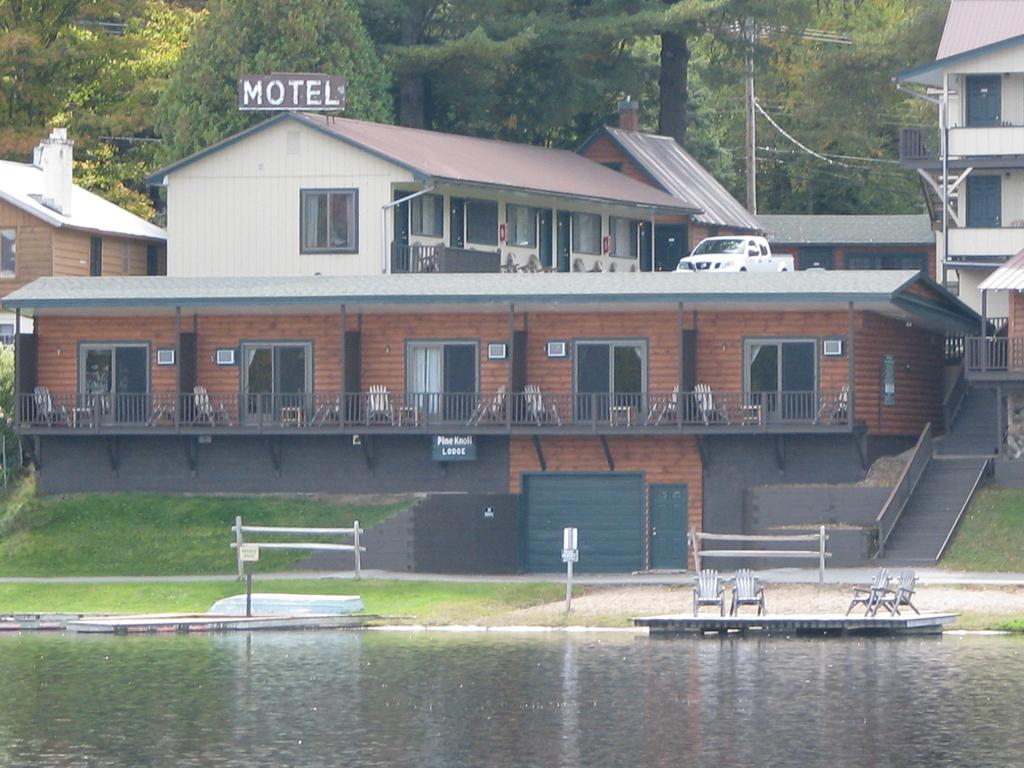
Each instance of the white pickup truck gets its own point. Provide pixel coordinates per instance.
(739, 253)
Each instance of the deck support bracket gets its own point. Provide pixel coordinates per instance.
(366, 444)
(276, 454)
(192, 454)
(540, 453)
(702, 449)
(780, 453)
(607, 453)
(114, 453)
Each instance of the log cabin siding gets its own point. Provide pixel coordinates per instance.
(58, 339)
(384, 340)
(32, 240)
(918, 356)
(660, 459)
(223, 331)
(1016, 315)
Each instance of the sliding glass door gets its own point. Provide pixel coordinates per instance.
(277, 381)
(781, 378)
(113, 380)
(610, 379)
(441, 379)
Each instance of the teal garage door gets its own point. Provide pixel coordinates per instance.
(607, 509)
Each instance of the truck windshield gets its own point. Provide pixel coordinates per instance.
(727, 245)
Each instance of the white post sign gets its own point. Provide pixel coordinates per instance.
(570, 555)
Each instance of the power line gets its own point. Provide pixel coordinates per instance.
(782, 130)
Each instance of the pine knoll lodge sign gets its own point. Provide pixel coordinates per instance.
(279, 91)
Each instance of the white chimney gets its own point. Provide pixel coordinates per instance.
(54, 156)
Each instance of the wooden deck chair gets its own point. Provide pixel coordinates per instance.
(539, 409)
(379, 406)
(892, 599)
(665, 410)
(868, 596)
(490, 410)
(708, 590)
(834, 408)
(708, 407)
(747, 590)
(46, 412)
(205, 410)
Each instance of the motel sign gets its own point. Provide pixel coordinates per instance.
(310, 92)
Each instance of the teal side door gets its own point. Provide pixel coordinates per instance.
(669, 509)
(607, 509)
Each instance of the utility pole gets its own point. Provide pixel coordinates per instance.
(751, 127)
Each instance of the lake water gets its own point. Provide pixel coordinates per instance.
(373, 699)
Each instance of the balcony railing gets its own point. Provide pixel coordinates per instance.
(418, 257)
(995, 354)
(380, 410)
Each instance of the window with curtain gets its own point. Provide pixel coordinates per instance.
(586, 233)
(427, 212)
(329, 220)
(522, 226)
(625, 234)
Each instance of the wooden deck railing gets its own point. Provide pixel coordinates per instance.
(995, 354)
(380, 409)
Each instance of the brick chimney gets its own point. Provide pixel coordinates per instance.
(629, 115)
(54, 156)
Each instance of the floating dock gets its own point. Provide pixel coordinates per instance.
(798, 624)
(208, 622)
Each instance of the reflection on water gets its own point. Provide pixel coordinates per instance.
(333, 699)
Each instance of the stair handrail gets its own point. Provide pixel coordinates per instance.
(905, 485)
(955, 399)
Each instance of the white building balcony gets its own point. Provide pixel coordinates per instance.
(984, 245)
(995, 141)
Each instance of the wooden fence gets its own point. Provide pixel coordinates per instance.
(240, 530)
(696, 537)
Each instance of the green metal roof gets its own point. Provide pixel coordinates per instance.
(915, 229)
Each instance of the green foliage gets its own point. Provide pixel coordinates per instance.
(148, 534)
(237, 37)
(991, 535)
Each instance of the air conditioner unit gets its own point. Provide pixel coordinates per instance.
(557, 349)
(225, 357)
(497, 351)
(832, 348)
(165, 357)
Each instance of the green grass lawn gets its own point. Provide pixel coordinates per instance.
(136, 534)
(429, 602)
(991, 535)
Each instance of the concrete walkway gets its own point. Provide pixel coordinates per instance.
(773, 576)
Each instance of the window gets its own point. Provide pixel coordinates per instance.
(984, 100)
(817, 258)
(522, 226)
(277, 380)
(780, 376)
(95, 256)
(8, 263)
(984, 201)
(329, 220)
(887, 261)
(482, 222)
(625, 235)
(114, 379)
(586, 233)
(427, 212)
(441, 379)
(609, 375)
